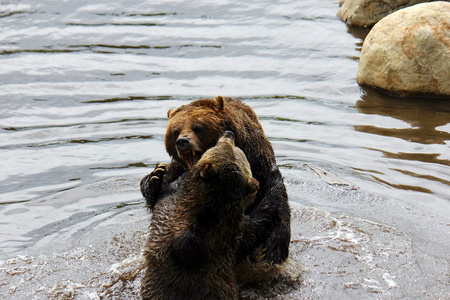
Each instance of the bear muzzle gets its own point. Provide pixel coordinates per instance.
(183, 144)
(184, 148)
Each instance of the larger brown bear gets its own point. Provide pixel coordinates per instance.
(195, 233)
(196, 127)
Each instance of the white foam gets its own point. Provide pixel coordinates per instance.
(391, 283)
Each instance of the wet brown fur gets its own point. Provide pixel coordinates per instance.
(195, 233)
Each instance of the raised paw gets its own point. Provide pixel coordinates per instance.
(151, 184)
(159, 171)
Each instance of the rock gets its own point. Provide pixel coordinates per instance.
(368, 12)
(408, 52)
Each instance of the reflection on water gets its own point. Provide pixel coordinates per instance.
(84, 91)
(425, 118)
(423, 115)
(358, 32)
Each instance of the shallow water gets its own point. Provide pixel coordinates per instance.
(84, 91)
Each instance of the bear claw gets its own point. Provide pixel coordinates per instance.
(152, 183)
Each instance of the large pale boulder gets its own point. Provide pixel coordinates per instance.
(408, 52)
(368, 12)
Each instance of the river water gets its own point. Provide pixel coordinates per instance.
(84, 91)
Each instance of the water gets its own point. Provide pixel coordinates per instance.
(84, 91)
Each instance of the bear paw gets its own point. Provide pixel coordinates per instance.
(277, 249)
(151, 184)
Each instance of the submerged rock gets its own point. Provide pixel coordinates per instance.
(369, 12)
(408, 52)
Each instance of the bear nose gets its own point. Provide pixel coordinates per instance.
(183, 143)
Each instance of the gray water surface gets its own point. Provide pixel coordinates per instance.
(84, 91)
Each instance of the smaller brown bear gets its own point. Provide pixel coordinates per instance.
(195, 233)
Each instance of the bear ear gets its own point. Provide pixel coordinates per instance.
(205, 170)
(170, 113)
(219, 102)
(252, 186)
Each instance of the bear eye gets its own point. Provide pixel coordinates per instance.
(198, 128)
(176, 133)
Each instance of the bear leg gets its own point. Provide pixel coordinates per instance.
(277, 242)
(271, 220)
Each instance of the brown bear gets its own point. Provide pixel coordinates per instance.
(195, 233)
(195, 127)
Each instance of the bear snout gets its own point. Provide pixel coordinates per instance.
(183, 144)
(229, 135)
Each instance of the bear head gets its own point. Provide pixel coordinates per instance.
(227, 165)
(193, 129)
